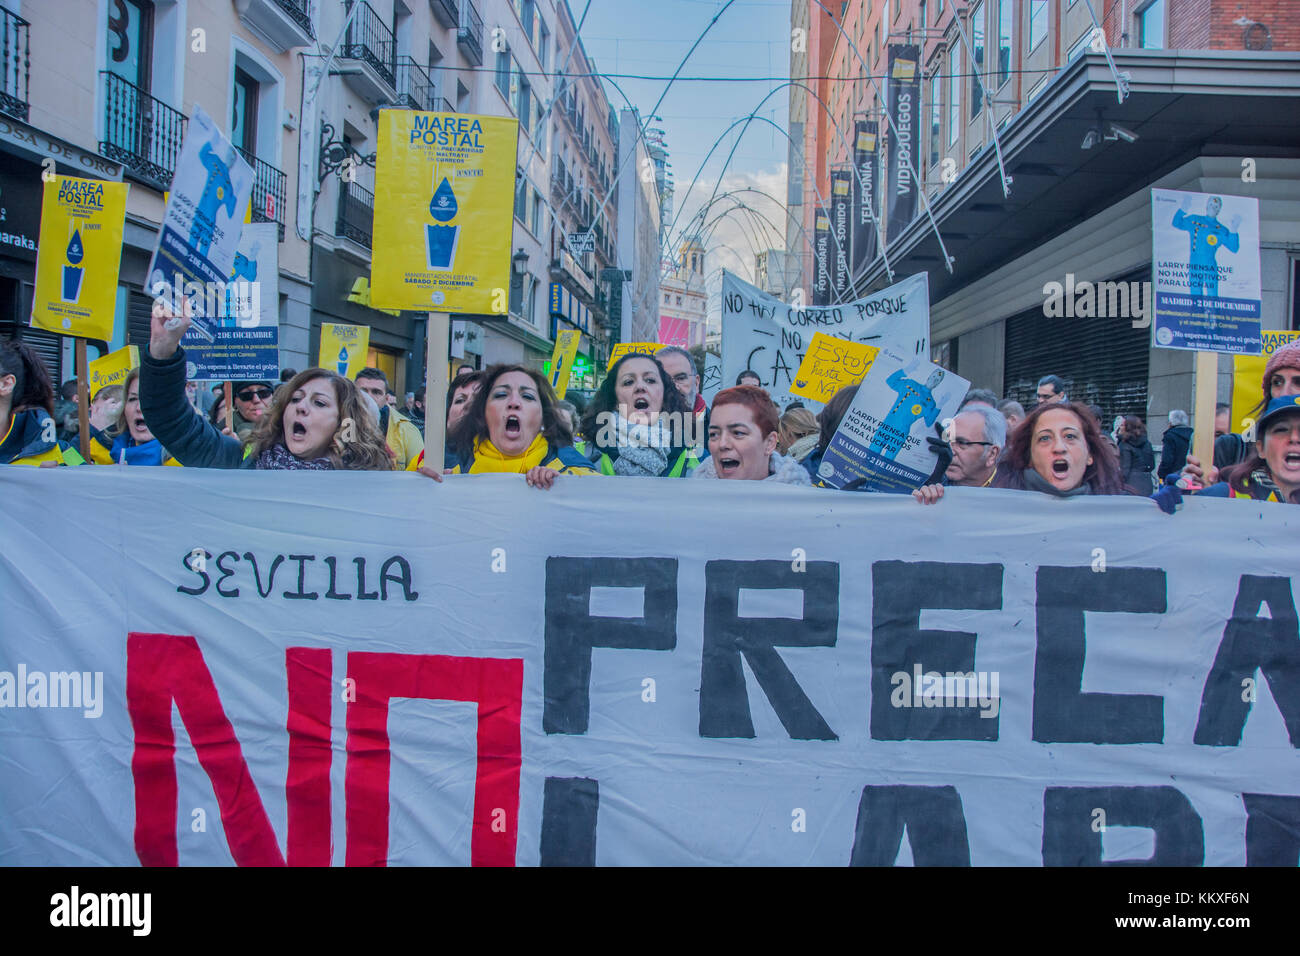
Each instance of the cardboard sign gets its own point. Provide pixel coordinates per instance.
(624, 348)
(78, 257)
(764, 335)
(1205, 272)
(112, 369)
(831, 364)
(881, 442)
(711, 380)
(206, 209)
(343, 348)
(444, 212)
(566, 348)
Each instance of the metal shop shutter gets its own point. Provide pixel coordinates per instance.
(1103, 361)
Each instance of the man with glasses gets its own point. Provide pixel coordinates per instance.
(679, 365)
(978, 436)
(1051, 388)
(252, 399)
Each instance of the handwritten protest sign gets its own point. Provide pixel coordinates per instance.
(78, 257)
(881, 442)
(764, 335)
(711, 381)
(831, 364)
(625, 348)
(326, 674)
(200, 231)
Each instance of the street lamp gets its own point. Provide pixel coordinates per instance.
(520, 262)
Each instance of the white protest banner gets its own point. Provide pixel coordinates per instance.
(881, 442)
(711, 380)
(767, 336)
(246, 334)
(373, 669)
(201, 225)
(1205, 265)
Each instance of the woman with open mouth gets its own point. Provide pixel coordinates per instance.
(637, 427)
(1273, 472)
(512, 426)
(1059, 450)
(316, 423)
(743, 433)
(132, 441)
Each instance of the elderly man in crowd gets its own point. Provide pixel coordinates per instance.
(977, 437)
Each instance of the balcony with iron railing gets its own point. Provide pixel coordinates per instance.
(141, 132)
(267, 202)
(470, 35)
(446, 12)
(17, 63)
(356, 213)
(286, 23)
(415, 91)
(369, 45)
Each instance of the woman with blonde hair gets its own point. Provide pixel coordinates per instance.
(317, 422)
(798, 433)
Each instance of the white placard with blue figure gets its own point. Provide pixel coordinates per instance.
(1205, 271)
(881, 442)
(201, 227)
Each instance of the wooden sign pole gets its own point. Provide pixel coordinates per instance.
(1206, 385)
(83, 397)
(435, 390)
(228, 393)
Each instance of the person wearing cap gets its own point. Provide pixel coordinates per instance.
(252, 399)
(1272, 473)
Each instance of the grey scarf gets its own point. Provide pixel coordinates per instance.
(1036, 482)
(645, 453)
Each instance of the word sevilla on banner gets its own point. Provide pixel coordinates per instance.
(470, 690)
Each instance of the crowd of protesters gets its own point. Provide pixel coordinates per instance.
(647, 419)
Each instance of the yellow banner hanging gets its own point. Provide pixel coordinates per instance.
(566, 348)
(78, 258)
(831, 364)
(1248, 377)
(112, 368)
(343, 348)
(444, 212)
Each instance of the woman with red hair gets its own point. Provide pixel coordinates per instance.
(743, 433)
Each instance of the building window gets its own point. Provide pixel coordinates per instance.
(130, 40)
(1151, 26)
(521, 97)
(936, 117)
(503, 72)
(977, 47)
(1037, 22)
(1006, 22)
(243, 120)
(954, 93)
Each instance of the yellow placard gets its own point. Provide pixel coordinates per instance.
(343, 348)
(623, 348)
(831, 364)
(112, 369)
(444, 212)
(904, 70)
(1248, 377)
(78, 258)
(566, 348)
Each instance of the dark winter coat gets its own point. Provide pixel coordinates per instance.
(1175, 444)
(1136, 460)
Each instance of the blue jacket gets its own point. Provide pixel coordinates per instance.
(189, 437)
(25, 443)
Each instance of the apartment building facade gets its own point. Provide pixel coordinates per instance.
(683, 312)
(1206, 86)
(639, 231)
(103, 89)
